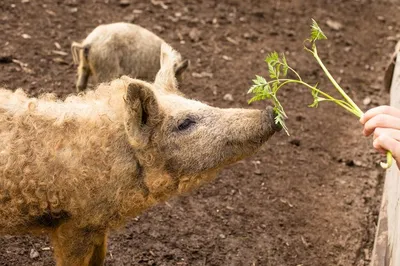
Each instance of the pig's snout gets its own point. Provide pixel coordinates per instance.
(270, 119)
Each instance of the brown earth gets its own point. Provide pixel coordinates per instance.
(314, 199)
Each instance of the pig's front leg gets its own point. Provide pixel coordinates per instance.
(79, 247)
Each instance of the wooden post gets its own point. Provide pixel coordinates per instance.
(386, 250)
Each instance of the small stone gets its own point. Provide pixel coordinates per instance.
(57, 45)
(358, 163)
(158, 28)
(202, 75)
(73, 10)
(214, 90)
(381, 18)
(352, 163)
(60, 61)
(26, 36)
(24, 1)
(250, 36)
(159, 3)
(257, 171)
(231, 40)
(367, 101)
(33, 254)
(124, 3)
(129, 18)
(62, 53)
(348, 201)
(347, 49)
(335, 25)
(228, 97)
(222, 236)
(227, 58)
(194, 35)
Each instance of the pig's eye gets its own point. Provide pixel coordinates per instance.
(186, 124)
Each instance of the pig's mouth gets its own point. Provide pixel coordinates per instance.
(272, 115)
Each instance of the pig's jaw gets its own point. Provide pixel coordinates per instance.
(160, 185)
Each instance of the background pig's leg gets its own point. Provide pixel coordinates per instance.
(83, 77)
(79, 247)
(83, 69)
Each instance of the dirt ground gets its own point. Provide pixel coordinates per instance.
(308, 199)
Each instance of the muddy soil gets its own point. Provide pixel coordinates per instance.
(308, 199)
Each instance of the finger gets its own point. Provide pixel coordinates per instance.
(393, 133)
(384, 109)
(381, 120)
(386, 143)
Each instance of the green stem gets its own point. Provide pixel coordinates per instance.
(389, 160)
(295, 72)
(341, 103)
(358, 113)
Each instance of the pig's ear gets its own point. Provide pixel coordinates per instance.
(141, 113)
(181, 67)
(169, 60)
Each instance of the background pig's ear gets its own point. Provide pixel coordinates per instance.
(141, 113)
(181, 67)
(165, 77)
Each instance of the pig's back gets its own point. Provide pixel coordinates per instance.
(123, 49)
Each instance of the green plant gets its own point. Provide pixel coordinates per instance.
(278, 69)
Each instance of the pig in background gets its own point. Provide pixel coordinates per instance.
(113, 50)
(75, 169)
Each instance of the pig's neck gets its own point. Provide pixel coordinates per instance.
(143, 184)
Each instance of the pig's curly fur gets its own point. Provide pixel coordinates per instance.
(78, 167)
(39, 174)
(74, 158)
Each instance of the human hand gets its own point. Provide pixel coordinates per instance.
(384, 123)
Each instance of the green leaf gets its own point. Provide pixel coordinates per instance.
(272, 58)
(314, 104)
(272, 71)
(258, 97)
(275, 87)
(280, 120)
(261, 80)
(252, 88)
(267, 90)
(285, 65)
(316, 32)
(316, 98)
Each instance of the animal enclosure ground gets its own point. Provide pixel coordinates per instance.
(308, 199)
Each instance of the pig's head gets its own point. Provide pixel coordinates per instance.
(186, 139)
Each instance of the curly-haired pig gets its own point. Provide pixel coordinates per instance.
(75, 169)
(113, 50)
